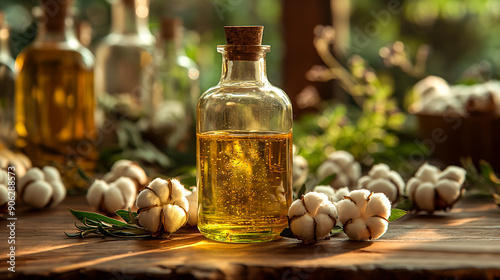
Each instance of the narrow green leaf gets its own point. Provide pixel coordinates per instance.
(90, 216)
(301, 191)
(287, 233)
(405, 204)
(327, 180)
(396, 214)
(124, 215)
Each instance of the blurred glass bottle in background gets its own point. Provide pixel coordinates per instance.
(176, 89)
(123, 58)
(7, 87)
(55, 99)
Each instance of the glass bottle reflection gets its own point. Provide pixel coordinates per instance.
(7, 87)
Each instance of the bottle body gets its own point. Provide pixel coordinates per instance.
(124, 62)
(7, 90)
(55, 101)
(244, 155)
(173, 99)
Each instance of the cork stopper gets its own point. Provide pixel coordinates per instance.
(244, 42)
(55, 13)
(244, 35)
(170, 28)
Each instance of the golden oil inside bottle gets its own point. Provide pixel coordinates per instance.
(244, 181)
(55, 108)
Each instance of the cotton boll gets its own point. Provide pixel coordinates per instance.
(381, 179)
(358, 213)
(129, 169)
(163, 203)
(440, 193)
(312, 217)
(127, 189)
(109, 198)
(384, 186)
(327, 190)
(96, 192)
(345, 167)
(40, 189)
(37, 194)
(379, 171)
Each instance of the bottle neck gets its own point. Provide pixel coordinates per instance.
(130, 17)
(4, 41)
(55, 25)
(245, 68)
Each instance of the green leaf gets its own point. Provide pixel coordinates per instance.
(327, 180)
(124, 215)
(396, 214)
(336, 229)
(301, 191)
(90, 216)
(287, 232)
(405, 204)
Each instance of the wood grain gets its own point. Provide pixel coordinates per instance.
(462, 244)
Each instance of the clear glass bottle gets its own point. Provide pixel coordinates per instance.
(7, 88)
(124, 58)
(55, 99)
(244, 146)
(176, 89)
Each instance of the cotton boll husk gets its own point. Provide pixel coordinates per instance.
(324, 224)
(296, 209)
(96, 192)
(160, 187)
(448, 190)
(383, 186)
(147, 198)
(303, 228)
(356, 230)
(377, 226)
(453, 173)
(424, 197)
(427, 173)
(37, 194)
(313, 200)
(174, 217)
(378, 205)
(181, 202)
(149, 219)
(347, 210)
(380, 170)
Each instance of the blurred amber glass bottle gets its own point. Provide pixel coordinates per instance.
(176, 89)
(244, 146)
(7, 88)
(55, 99)
(124, 76)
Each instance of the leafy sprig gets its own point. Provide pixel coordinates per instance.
(484, 180)
(100, 225)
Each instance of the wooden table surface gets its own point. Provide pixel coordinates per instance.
(462, 244)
